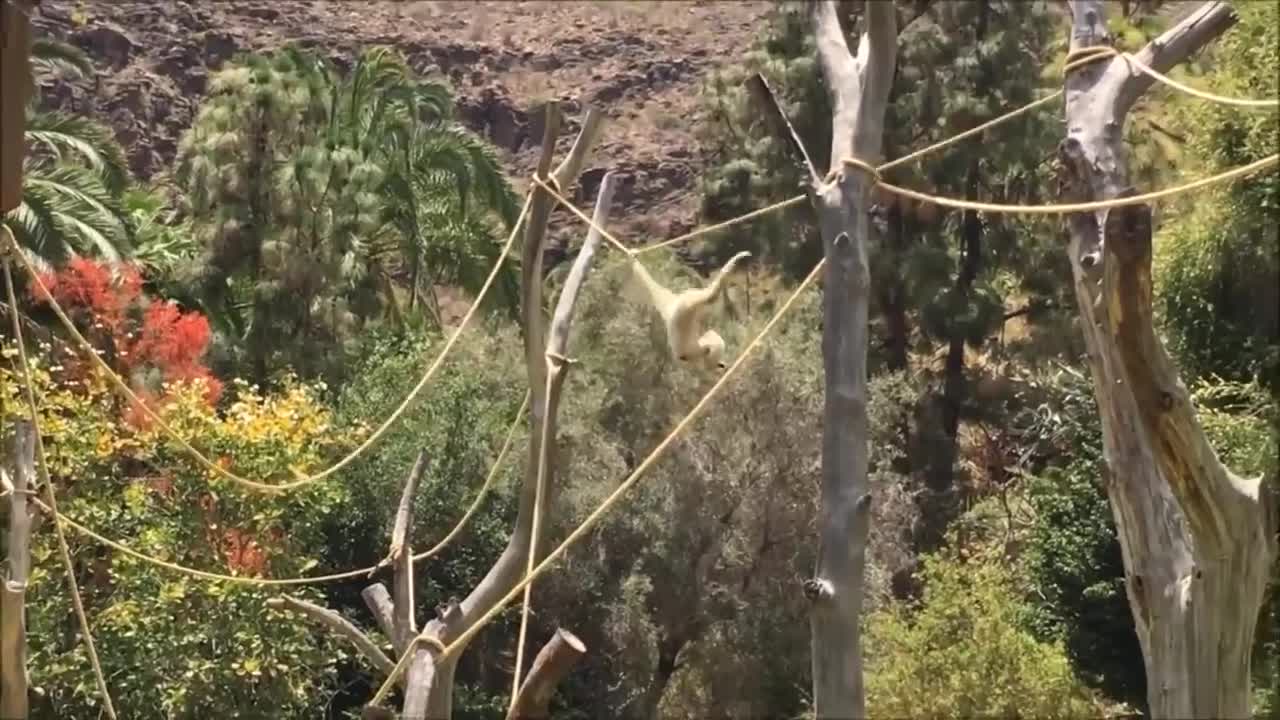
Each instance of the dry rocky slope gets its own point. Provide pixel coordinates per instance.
(642, 63)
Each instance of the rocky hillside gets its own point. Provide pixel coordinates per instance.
(643, 63)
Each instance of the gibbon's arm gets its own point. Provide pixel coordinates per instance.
(662, 299)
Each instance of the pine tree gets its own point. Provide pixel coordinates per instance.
(313, 194)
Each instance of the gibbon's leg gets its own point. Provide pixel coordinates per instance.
(691, 311)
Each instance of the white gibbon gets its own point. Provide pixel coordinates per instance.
(683, 314)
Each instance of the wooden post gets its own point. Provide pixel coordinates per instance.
(15, 90)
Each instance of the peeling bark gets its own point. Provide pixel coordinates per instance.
(1197, 540)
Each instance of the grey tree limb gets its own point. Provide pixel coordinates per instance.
(859, 90)
(339, 625)
(378, 599)
(553, 664)
(1197, 540)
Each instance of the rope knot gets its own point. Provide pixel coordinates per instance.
(547, 183)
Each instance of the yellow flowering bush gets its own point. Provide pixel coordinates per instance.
(171, 644)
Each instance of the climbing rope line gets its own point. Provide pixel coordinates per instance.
(300, 479)
(277, 582)
(42, 468)
(608, 503)
(1053, 209)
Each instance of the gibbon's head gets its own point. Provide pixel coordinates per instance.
(712, 346)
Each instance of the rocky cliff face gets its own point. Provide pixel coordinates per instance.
(642, 63)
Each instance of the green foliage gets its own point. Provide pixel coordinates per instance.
(172, 646)
(1216, 263)
(314, 195)
(964, 653)
(1073, 553)
(73, 176)
(459, 422)
(72, 201)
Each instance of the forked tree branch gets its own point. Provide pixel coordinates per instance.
(339, 625)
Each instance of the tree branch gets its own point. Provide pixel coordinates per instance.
(339, 625)
(1215, 501)
(841, 73)
(553, 664)
(378, 600)
(436, 678)
(759, 90)
(404, 624)
(1195, 31)
(563, 317)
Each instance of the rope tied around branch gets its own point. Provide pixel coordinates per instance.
(1084, 56)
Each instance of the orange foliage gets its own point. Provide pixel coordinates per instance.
(139, 332)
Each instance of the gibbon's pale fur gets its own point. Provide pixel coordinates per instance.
(683, 314)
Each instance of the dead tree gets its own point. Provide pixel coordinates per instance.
(17, 482)
(1196, 539)
(427, 684)
(859, 89)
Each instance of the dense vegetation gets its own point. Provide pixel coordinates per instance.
(274, 298)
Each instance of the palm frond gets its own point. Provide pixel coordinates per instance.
(54, 57)
(70, 138)
(88, 216)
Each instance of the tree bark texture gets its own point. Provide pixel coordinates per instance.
(13, 620)
(859, 88)
(1197, 540)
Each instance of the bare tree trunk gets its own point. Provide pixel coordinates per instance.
(859, 89)
(13, 622)
(15, 90)
(1197, 540)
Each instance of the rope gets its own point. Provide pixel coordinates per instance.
(277, 582)
(721, 226)
(570, 206)
(300, 479)
(1058, 209)
(539, 494)
(1098, 52)
(42, 466)
(970, 132)
(608, 503)
(1085, 206)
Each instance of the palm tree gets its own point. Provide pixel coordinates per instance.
(339, 193)
(74, 176)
